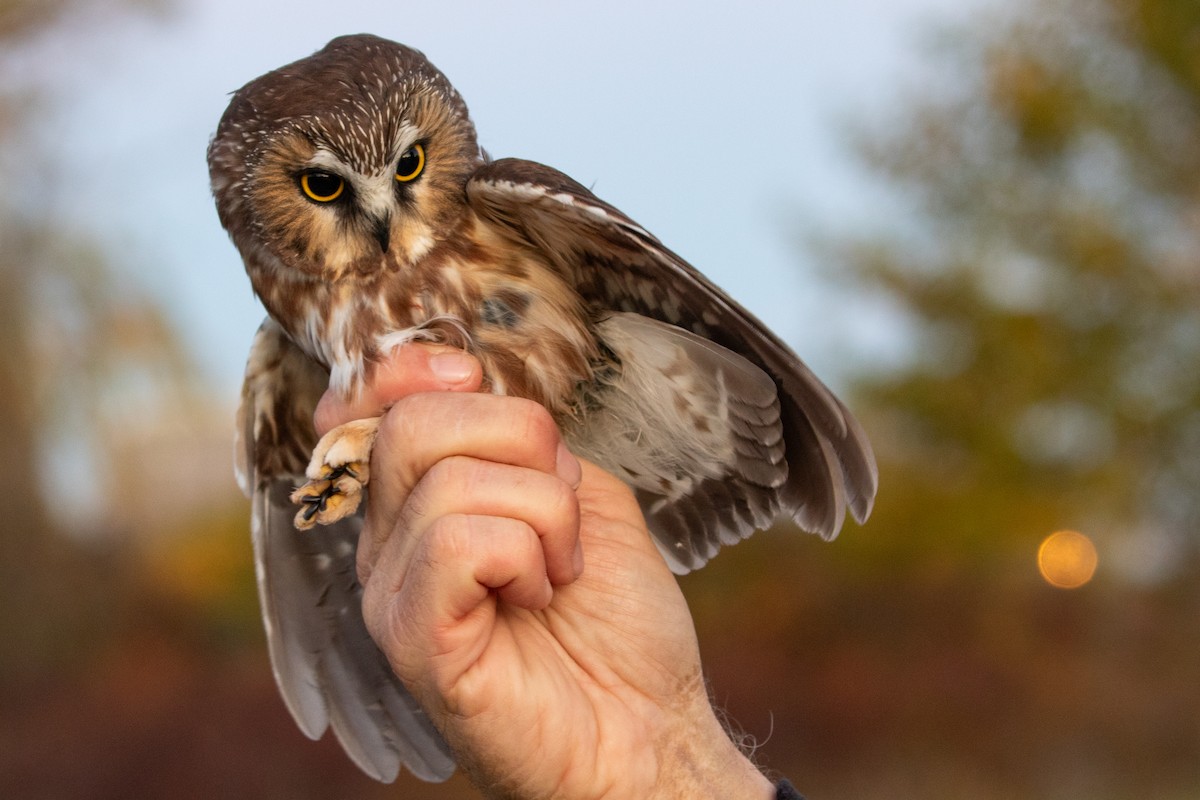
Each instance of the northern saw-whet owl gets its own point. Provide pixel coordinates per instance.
(367, 216)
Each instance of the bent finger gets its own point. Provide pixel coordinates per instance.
(410, 369)
(432, 616)
(421, 430)
(464, 485)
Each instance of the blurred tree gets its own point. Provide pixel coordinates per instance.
(1052, 273)
(82, 349)
(1046, 178)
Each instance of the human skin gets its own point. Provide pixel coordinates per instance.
(516, 592)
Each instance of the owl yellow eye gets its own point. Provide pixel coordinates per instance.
(412, 161)
(323, 187)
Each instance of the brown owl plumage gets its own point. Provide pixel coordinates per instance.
(367, 216)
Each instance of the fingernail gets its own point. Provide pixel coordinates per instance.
(567, 466)
(452, 368)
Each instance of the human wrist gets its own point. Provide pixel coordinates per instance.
(697, 759)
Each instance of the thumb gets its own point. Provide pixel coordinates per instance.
(411, 369)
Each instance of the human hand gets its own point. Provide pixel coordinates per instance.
(516, 592)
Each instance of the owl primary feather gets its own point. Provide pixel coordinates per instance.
(367, 216)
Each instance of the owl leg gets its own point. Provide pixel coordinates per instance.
(337, 474)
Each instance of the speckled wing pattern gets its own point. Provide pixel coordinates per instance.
(797, 451)
(329, 670)
(780, 443)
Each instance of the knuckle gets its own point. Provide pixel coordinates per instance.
(364, 557)
(400, 424)
(448, 538)
(362, 571)
(376, 605)
(371, 606)
(563, 502)
(536, 423)
(454, 475)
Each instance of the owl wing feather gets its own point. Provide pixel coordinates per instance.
(693, 428)
(616, 265)
(327, 667)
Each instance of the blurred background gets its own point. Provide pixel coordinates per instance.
(980, 221)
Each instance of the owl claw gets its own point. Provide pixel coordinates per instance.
(318, 503)
(328, 500)
(337, 474)
(315, 503)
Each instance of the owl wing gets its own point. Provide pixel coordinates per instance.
(791, 446)
(326, 665)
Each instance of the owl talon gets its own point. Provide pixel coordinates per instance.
(316, 503)
(337, 474)
(326, 501)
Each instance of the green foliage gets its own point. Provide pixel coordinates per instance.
(1053, 274)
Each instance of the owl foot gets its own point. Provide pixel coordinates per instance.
(337, 474)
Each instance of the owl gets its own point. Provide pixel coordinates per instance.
(367, 216)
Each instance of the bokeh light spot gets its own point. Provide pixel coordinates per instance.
(1067, 559)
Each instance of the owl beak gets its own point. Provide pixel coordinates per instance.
(383, 232)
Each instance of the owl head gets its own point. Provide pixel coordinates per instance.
(350, 161)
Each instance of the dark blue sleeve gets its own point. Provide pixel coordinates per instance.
(785, 791)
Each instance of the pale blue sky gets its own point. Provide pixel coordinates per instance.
(717, 128)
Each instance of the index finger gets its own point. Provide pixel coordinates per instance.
(411, 369)
(425, 429)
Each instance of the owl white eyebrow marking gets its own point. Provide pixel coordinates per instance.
(327, 159)
(406, 136)
(563, 299)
